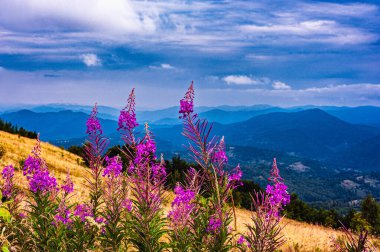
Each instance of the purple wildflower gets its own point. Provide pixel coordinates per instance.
(41, 181)
(234, 179)
(31, 165)
(277, 193)
(82, 211)
(243, 241)
(186, 104)
(219, 155)
(7, 174)
(214, 225)
(114, 167)
(127, 118)
(36, 172)
(145, 150)
(93, 125)
(127, 204)
(68, 185)
(158, 171)
(182, 207)
(63, 215)
(63, 218)
(182, 196)
(100, 220)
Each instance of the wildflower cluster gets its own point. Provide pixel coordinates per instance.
(7, 175)
(277, 193)
(37, 173)
(124, 209)
(265, 232)
(93, 124)
(182, 207)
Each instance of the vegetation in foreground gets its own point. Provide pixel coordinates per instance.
(125, 208)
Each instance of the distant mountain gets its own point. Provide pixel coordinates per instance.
(312, 133)
(170, 113)
(366, 115)
(309, 133)
(233, 116)
(104, 112)
(62, 125)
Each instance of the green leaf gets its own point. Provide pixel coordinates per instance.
(4, 249)
(5, 214)
(1, 195)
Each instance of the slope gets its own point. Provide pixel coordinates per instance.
(16, 150)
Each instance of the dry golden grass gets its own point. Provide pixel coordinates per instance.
(299, 235)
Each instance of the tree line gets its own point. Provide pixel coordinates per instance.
(8, 127)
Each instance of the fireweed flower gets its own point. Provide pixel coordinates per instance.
(63, 214)
(36, 172)
(31, 165)
(158, 170)
(68, 185)
(145, 150)
(243, 241)
(93, 125)
(234, 178)
(41, 181)
(182, 207)
(82, 211)
(186, 104)
(113, 168)
(147, 184)
(219, 155)
(214, 225)
(277, 193)
(127, 118)
(127, 204)
(210, 154)
(7, 174)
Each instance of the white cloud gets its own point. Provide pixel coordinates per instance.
(239, 80)
(280, 85)
(260, 57)
(116, 16)
(90, 59)
(360, 94)
(164, 66)
(320, 31)
(207, 26)
(350, 10)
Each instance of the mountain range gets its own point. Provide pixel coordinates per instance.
(320, 150)
(306, 132)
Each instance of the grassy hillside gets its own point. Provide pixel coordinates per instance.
(59, 161)
(303, 236)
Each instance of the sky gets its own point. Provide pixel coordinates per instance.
(237, 52)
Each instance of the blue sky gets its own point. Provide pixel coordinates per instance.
(237, 52)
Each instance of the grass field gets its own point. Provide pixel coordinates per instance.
(300, 236)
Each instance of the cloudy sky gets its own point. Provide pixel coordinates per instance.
(237, 52)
